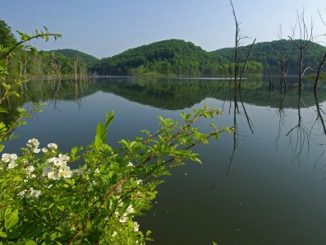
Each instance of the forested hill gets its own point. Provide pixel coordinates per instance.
(269, 54)
(167, 57)
(73, 54)
(34, 64)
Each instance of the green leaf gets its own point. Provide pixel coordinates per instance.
(11, 218)
(3, 234)
(109, 118)
(30, 242)
(3, 110)
(101, 131)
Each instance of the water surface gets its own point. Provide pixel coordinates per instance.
(263, 185)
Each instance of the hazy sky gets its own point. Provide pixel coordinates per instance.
(107, 27)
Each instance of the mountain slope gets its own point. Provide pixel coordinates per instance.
(164, 57)
(72, 54)
(268, 53)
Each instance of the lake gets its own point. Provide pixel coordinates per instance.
(263, 185)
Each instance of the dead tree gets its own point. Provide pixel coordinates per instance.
(302, 36)
(282, 59)
(239, 66)
(322, 62)
(319, 70)
(238, 70)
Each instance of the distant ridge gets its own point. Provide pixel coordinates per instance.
(72, 54)
(181, 58)
(266, 53)
(167, 57)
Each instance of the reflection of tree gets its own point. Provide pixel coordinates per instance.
(235, 131)
(320, 113)
(281, 116)
(299, 134)
(38, 91)
(319, 118)
(236, 111)
(58, 88)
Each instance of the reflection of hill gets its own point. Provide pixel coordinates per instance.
(169, 94)
(178, 94)
(166, 94)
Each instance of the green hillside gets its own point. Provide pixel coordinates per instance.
(89, 60)
(268, 53)
(168, 57)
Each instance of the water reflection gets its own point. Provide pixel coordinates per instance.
(180, 94)
(263, 180)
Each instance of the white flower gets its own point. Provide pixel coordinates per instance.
(53, 175)
(12, 164)
(139, 181)
(10, 159)
(114, 234)
(29, 169)
(130, 209)
(22, 193)
(34, 193)
(130, 164)
(36, 150)
(6, 158)
(52, 146)
(136, 227)
(45, 150)
(64, 158)
(56, 161)
(51, 160)
(123, 219)
(33, 144)
(65, 172)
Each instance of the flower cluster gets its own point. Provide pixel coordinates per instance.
(57, 168)
(10, 159)
(52, 147)
(33, 144)
(30, 193)
(124, 217)
(29, 171)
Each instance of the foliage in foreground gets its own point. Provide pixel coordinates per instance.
(45, 200)
(92, 194)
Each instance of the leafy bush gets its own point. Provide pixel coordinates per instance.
(92, 194)
(46, 200)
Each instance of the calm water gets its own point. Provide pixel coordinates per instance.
(264, 185)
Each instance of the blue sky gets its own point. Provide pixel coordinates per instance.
(106, 27)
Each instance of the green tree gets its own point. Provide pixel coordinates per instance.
(6, 37)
